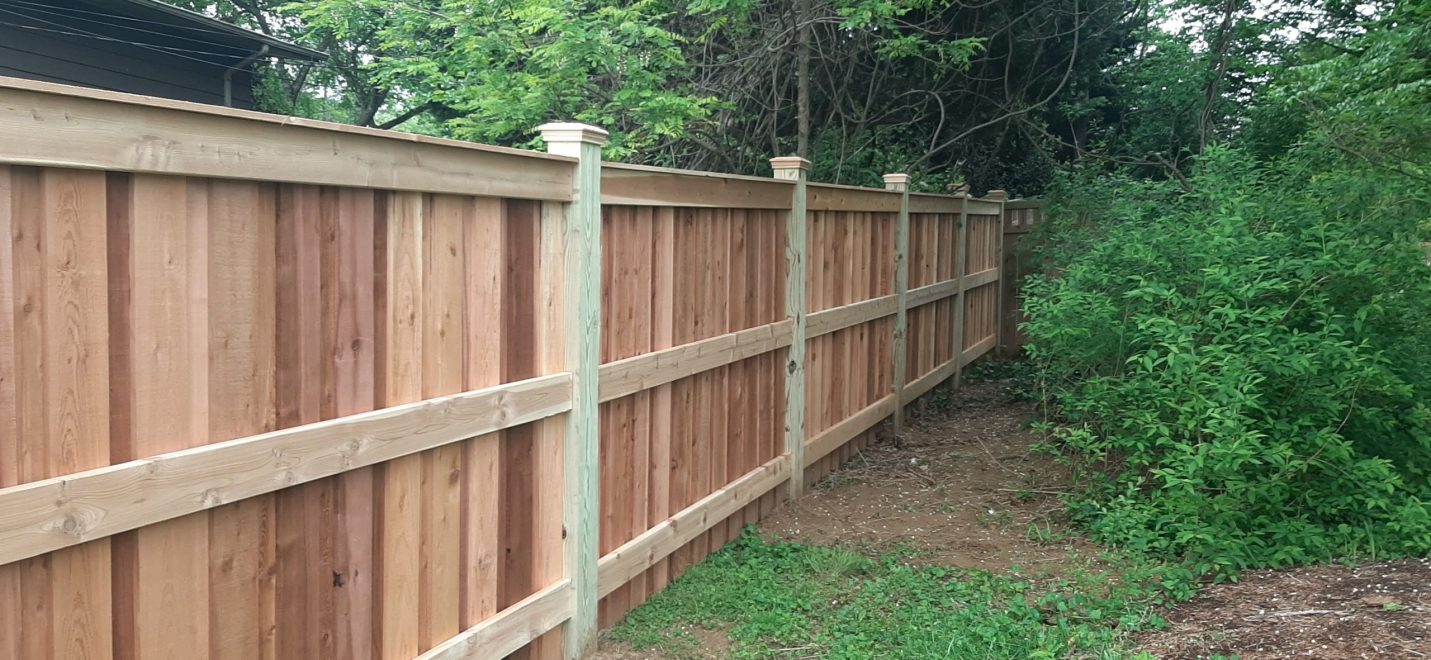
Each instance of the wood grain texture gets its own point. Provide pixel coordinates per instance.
(399, 487)
(510, 630)
(635, 556)
(521, 360)
(621, 378)
(11, 607)
(796, 254)
(47, 514)
(900, 338)
(157, 252)
(73, 251)
(31, 578)
(849, 315)
(443, 315)
(242, 326)
(847, 429)
(641, 185)
(485, 269)
(662, 399)
(203, 140)
(350, 347)
(829, 197)
(305, 515)
(961, 268)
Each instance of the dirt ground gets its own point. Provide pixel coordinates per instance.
(1378, 610)
(961, 486)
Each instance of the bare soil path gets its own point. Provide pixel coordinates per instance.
(962, 487)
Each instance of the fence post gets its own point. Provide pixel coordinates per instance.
(580, 292)
(961, 251)
(900, 183)
(794, 168)
(1000, 196)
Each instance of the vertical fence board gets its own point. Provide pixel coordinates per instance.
(351, 300)
(304, 514)
(160, 572)
(518, 532)
(242, 324)
(663, 308)
(11, 608)
(442, 373)
(28, 227)
(76, 398)
(486, 272)
(399, 491)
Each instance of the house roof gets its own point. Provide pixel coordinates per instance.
(154, 24)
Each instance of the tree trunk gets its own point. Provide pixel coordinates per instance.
(802, 73)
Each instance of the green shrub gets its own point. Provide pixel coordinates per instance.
(1242, 372)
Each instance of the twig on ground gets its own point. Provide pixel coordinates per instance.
(926, 478)
(1032, 490)
(996, 460)
(1278, 615)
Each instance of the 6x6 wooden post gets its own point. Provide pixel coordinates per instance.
(794, 168)
(1002, 197)
(579, 289)
(900, 183)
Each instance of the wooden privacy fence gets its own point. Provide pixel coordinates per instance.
(273, 388)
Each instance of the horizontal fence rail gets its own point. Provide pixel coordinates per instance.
(50, 514)
(276, 388)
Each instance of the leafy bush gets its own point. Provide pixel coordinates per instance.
(1241, 361)
(1242, 369)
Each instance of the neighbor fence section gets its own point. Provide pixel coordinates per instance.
(280, 388)
(1021, 216)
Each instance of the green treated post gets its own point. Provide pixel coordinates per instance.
(960, 302)
(900, 183)
(794, 168)
(581, 302)
(1002, 197)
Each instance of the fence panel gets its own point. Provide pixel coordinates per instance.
(981, 274)
(700, 286)
(933, 248)
(151, 312)
(850, 325)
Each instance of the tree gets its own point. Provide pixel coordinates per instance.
(949, 91)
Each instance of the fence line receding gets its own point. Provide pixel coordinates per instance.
(275, 388)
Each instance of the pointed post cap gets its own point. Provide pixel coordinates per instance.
(789, 168)
(896, 182)
(565, 138)
(998, 195)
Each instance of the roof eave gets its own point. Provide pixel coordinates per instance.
(276, 47)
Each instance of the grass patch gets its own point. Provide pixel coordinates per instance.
(776, 599)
